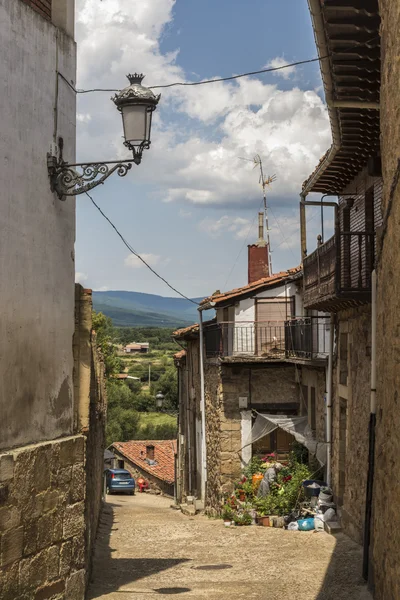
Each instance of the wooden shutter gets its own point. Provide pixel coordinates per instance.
(271, 314)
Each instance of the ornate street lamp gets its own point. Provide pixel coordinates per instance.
(136, 104)
(160, 400)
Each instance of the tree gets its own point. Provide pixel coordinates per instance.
(168, 385)
(106, 337)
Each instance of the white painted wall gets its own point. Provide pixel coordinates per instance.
(37, 231)
(245, 426)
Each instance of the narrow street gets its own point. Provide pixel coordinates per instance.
(146, 549)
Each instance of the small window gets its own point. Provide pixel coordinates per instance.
(121, 464)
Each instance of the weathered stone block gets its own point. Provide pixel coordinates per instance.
(45, 531)
(12, 545)
(30, 537)
(9, 582)
(50, 590)
(53, 562)
(67, 453)
(33, 571)
(65, 558)
(4, 494)
(6, 467)
(78, 552)
(10, 517)
(75, 586)
(41, 470)
(58, 518)
(73, 522)
(51, 499)
(78, 483)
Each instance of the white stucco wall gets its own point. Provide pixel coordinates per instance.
(37, 231)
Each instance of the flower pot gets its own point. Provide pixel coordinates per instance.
(242, 495)
(263, 521)
(227, 523)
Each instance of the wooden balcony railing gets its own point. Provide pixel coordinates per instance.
(338, 272)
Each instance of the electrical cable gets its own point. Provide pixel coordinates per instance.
(219, 79)
(137, 254)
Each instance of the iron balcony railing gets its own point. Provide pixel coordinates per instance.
(301, 337)
(340, 268)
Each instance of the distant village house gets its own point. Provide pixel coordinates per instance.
(154, 460)
(137, 348)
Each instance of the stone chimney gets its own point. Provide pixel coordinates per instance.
(258, 255)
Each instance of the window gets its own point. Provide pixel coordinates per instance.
(121, 464)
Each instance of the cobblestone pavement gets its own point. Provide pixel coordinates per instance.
(146, 550)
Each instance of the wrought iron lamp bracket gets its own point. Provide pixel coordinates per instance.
(73, 179)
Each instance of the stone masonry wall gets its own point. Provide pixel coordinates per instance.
(351, 403)
(385, 573)
(215, 439)
(42, 501)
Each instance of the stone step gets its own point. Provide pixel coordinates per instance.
(332, 527)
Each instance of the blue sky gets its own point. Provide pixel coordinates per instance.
(190, 208)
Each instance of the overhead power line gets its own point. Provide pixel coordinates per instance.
(219, 79)
(137, 254)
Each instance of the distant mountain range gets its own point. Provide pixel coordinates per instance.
(133, 309)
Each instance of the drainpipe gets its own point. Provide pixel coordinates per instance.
(372, 426)
(329, 403)
(188, 436)
(203, 403)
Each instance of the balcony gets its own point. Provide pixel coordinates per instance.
(337, 275)
(303, 338)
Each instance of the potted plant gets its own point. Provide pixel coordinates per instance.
(243, 518)
(227, 513)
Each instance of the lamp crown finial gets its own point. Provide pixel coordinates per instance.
(135, 78)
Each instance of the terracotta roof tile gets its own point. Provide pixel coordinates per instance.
(180, 355)
(191, 329)
(254, 286)
(164, 455)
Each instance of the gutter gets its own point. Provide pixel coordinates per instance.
(206, 306)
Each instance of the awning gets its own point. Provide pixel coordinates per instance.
(296, 426)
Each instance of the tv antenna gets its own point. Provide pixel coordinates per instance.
(265, 182)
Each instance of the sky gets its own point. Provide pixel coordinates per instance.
(190, 208)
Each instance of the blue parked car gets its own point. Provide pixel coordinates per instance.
(119, 480)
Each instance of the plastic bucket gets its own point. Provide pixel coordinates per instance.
(313, 491)
(306, 524)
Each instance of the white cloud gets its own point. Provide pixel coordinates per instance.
(134, 262)
(103, 288)
(198, 162)
(80, 277)
(238, 226)
(277, 62)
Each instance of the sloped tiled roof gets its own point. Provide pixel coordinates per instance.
(191, 329)
(255, 286)
(164, 456)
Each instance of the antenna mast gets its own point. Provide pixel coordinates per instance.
(264, 183)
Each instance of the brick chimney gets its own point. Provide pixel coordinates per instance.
(258, 255)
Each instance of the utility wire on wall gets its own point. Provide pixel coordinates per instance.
(137, 254)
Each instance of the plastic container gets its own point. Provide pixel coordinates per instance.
(325, 494)
(306, 524)
(313, 491)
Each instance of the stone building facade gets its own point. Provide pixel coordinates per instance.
(364, 163)
(49, 436)
(385, 566)
(251, 365)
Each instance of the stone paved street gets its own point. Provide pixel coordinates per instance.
(146, 550)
